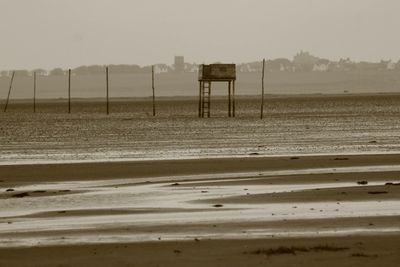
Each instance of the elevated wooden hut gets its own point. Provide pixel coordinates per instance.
(216, 73)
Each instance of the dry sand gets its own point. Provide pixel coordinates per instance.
(274, 211)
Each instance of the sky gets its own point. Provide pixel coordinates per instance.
(70, 33)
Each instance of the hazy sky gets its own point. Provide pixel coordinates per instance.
(69, 33)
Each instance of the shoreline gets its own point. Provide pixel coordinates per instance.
(195, 98)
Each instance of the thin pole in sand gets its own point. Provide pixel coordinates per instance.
(233, 100)
(153, 88)
(107, 89)
(262, 89)
(69, 91)
(9, 91)
(229, 100)
(34, 92)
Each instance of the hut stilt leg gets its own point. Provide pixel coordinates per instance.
(200, 98)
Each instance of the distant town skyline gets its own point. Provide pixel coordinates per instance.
(301, 62)
(67, 34)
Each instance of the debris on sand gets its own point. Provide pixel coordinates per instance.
(21, 195)
(392, 184)
(39, 191)
(341, 159)
(377, 192)
(10, 190)
(218, 206)
(294, 250)
(175, 184)
(362, 182)
(254, 154)
(64, 191)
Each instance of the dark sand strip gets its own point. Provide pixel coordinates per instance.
(114, 170)
(363, 251)
(360, 193)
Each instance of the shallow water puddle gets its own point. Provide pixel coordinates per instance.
(157, 195)
(179, 203)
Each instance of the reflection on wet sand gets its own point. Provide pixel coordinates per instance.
(218, 206)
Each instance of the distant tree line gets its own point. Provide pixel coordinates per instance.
(301, 62)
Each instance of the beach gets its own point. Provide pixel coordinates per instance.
(318, 185)
(314, 124)
(178, 210)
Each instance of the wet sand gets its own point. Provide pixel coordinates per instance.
(315, 183)
(331, 210)
(317, 124)
(162, 168)
(340, 251)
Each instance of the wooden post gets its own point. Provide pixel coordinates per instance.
(209, 101)
(233, 100)
(9, 91)
(200, 99)
(34, 92)
(229, 100)
(69, 91)
(152, 87)
(107, 95)
(262, 89)
(203, 99)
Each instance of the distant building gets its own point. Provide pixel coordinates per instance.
(322, 65)
(305, 58)
(191, 67)
(304, 61)
(279, 64)
(40, 72)
(161, 68)
(391, 65)
(250, 67)
(179, 64)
